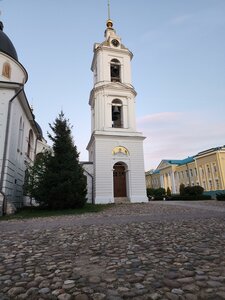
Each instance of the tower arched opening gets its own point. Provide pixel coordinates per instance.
(117, 113)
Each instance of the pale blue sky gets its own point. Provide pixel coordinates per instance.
(178, 66)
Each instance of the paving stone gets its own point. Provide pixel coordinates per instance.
(16, 291)
(81, 297)
(65, 297)
(117, 254)
(44, 291)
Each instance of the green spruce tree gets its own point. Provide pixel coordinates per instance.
(63, 184)
(34, 175)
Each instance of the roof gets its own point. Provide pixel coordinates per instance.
(6, 45)
(181, 161)
(210, 150)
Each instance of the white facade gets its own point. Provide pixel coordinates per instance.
(115, 147)
(19, 133)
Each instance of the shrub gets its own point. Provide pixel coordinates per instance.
(189, 197)
(168, 192)
(220, 197)
(156, 192)
(193, 190)
(182, 187)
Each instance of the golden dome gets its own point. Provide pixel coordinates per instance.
(109, 23)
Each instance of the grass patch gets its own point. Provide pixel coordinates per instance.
(37, 212)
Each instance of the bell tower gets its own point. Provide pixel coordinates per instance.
(115, 147)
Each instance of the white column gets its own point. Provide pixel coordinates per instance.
(173, 182)
(162, 181)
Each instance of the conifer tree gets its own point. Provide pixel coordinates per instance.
(63, 184)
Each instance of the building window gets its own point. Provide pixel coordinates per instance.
(202, 171)
(30, 143)
(214, 168)
(191, 172)
(196, 172)
(187, 173)
(115, 69)
(6, 70)
(117, 113)
(217, 184)
(208, 169)
(210, 185)
(20, 136)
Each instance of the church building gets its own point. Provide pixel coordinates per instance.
(116, 161)
(20, 135)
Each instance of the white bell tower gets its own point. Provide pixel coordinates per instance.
(115, 147)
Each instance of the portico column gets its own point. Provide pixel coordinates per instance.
(173, 182)
(162, 181)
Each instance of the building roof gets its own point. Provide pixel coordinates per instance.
(6, 45)
(210, 150)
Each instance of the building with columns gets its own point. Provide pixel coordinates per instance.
(207, 169)
(20, 135)
(115, 147)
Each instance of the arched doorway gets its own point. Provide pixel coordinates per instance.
(119, 181)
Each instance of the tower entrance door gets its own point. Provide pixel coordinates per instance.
(119, 181)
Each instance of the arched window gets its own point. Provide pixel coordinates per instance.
(6, 70)
(115, 69)
(30, 143)
(117, 113)
(20, 136)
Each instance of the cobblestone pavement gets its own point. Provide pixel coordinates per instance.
(157, 250)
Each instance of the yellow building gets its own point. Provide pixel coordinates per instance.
(206, 169)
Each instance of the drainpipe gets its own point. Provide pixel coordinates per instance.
(6, 147)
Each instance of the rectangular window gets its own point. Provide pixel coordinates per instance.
(214, 168)
(217, 184)
(210, 184)
(196, 172)
(208, 169)
(191, 172)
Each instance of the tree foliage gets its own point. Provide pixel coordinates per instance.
(34, 174)
(168, 192)
(62, 183)
(196, 190)
(156, 192)
(182, 187)
(193, 190)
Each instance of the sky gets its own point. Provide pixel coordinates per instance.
(178, 69)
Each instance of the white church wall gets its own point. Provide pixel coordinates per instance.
(15, 164)
(104, 162)
(5, 96)
(102, 61)
(17, 74)
(89, 173)
(103, 109)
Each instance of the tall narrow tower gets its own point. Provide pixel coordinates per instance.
(115, 147)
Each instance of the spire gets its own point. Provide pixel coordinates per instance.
(108, 9)
(109, 22)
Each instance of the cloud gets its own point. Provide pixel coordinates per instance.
(176, 135)
(178, 20)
